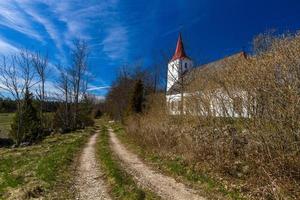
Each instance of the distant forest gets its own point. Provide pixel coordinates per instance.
(8, 105)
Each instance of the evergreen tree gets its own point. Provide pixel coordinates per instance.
(26, 126)
(85, 114)
(137, 100)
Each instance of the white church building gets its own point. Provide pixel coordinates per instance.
(180, 69)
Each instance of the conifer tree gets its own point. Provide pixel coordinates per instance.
(137, 97)
(85, 117)
(26, 125)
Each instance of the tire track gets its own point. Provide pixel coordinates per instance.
(89, 182)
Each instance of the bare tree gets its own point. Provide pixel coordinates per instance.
(65, 96)
(40, 64)
(157, 75)
(78, 74)
(263, 42)
(17, 74)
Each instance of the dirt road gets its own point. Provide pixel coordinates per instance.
(164, 186)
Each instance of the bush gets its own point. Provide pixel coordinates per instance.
(64, 120)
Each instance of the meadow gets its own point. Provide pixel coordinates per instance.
(5, 121)
(42, 170)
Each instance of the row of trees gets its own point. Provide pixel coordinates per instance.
(9, 105)
(24, 77)
(129, 92)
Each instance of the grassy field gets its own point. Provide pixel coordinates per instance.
(5, 121)
(121, 184)
(42, 170)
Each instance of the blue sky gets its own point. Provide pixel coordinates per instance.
(122, 32)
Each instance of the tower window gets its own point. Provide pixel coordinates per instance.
(185, 65)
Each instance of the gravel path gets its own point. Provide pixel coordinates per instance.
(89, 183)
(164, 186)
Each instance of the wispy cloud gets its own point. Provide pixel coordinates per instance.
(13, 17)
(49, 26)
(6, 47)
(115, 44)
(94, 88)
(63, 22)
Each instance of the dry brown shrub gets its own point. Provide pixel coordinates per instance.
(260, 151)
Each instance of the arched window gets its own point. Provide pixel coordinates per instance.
(185, 65)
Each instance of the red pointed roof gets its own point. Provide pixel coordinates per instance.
(179, 53)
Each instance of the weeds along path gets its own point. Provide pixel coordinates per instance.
(89, 182)
(164, 186)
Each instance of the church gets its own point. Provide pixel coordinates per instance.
(180, 75)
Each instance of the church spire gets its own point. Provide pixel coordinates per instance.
(179, 53)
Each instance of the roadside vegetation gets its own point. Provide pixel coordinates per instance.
(176, 167)
(255, 157)
(122, 185)
(41, 170)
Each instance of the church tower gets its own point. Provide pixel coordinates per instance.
(179, 64)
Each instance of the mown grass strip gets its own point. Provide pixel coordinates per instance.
(176, 167)
(122, 185)
(38, 169)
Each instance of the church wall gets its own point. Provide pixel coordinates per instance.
(220, 105)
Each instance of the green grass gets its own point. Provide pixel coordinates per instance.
(42, 169)
(5, 121)
(122, 185)
(176, 166)
(7, 118)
